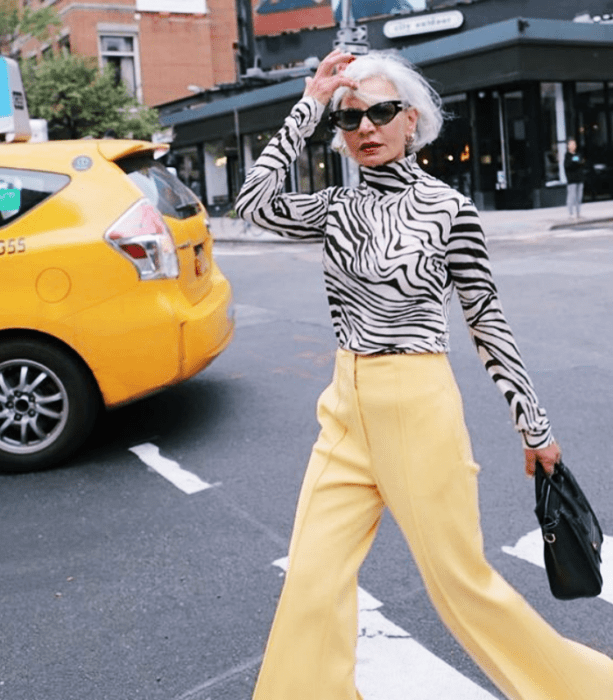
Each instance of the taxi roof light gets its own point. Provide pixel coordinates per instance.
(141, 236)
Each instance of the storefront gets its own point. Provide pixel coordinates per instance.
(522, 88)
(514, 91)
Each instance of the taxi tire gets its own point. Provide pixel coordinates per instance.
(82, 404)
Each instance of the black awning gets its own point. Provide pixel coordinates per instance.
(497, 54)
(517, 50)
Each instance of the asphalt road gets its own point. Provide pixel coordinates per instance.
(115, 583)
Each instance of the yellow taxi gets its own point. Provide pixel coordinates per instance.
(108, 289)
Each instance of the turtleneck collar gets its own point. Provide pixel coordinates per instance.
(394, 176)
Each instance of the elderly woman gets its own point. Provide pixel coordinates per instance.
(392, 428)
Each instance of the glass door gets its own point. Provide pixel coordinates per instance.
(515, 160)
(593, 139)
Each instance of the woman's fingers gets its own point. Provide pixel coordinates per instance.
(329, 76)
(548, 457)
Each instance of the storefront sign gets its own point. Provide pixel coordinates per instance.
(175, 6)
(424, 24)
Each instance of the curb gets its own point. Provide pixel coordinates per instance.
(581, 223)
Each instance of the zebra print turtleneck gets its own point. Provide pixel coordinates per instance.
(394, 248)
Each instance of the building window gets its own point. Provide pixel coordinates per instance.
(175, 6)
(64, 45)
(450, 156)
(119, 52)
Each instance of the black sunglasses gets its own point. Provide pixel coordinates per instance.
(379, 114)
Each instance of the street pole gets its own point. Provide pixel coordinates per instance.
(352, 39)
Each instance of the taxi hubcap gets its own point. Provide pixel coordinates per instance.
(33, 406)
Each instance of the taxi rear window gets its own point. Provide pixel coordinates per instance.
(161, 187)
(21, 190)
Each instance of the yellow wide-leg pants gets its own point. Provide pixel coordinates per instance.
(393, 435)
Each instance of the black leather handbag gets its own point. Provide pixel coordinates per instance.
(572, 535)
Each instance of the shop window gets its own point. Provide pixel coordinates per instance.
(313, 168)
(553, 125)
(591, 117)
(593, 139)
(118, 51)
(321, 166)
(216, 176)
(186, 162)
(610, 105)
(450, 156)
(258, 143)
(515, 171)
(253, 145)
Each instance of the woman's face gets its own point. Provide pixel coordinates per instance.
(373, 145)
(572, 145)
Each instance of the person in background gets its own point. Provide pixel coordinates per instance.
(574, 167)
(392, 426)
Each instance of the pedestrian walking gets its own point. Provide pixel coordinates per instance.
(392, 428)
(574, 167)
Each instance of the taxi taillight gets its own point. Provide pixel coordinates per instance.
(141, 236)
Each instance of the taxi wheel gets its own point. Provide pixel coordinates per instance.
(48, 405)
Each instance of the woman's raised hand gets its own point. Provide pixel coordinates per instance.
(329, 76)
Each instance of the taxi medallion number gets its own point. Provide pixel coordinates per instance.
(12, 246)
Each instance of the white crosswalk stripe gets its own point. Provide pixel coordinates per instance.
(172, 471)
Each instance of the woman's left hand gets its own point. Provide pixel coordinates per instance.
(548, 457)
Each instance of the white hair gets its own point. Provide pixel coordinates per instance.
(412, 88)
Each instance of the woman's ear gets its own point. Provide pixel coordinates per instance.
(412, 117)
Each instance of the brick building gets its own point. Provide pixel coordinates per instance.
(158, 47)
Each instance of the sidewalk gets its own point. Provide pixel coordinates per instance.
(496, 224)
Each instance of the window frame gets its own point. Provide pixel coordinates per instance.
(130, 32)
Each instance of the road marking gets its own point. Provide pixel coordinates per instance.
(530, 549)
(199, 692)
(186, 481)
(391, 665)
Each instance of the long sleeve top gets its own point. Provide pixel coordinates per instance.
(574, 167)
(394, 249)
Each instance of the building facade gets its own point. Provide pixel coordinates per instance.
(159, 48)
(518, 78)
